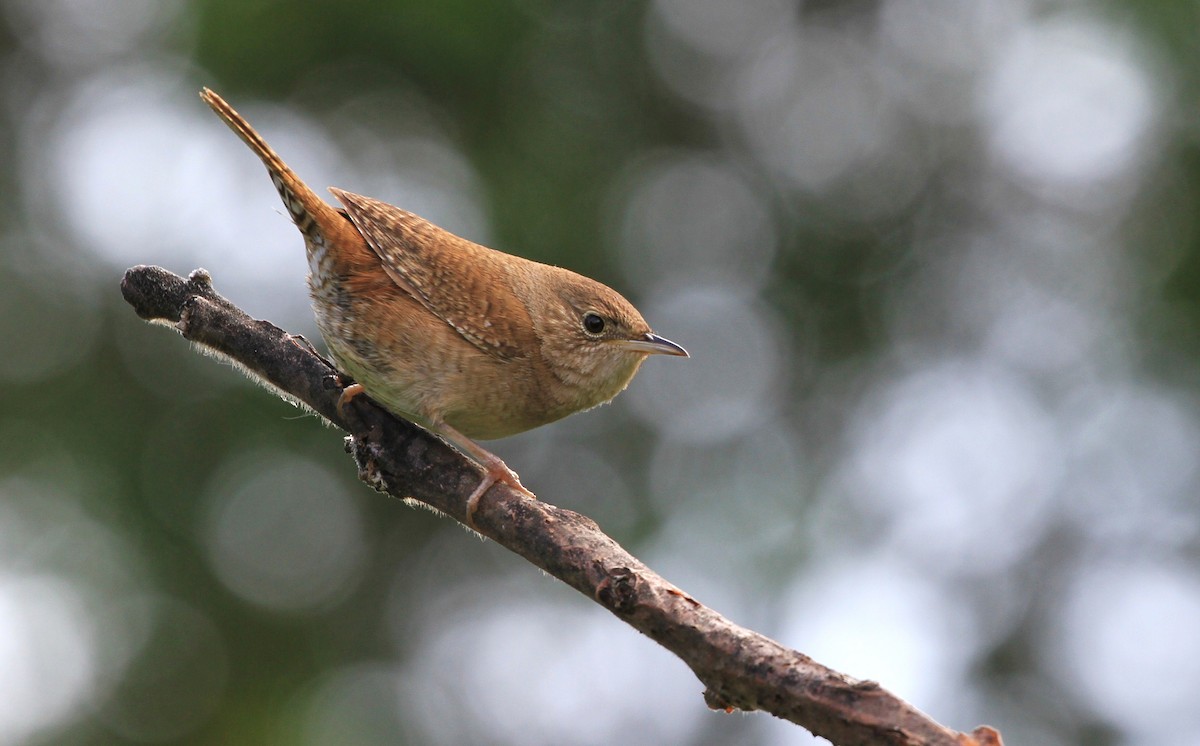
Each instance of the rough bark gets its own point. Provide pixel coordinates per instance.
(741, 669)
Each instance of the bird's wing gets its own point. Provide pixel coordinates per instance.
(460, 282)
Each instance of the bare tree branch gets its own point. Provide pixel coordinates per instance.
(740, 669)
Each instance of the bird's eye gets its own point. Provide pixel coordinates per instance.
(593, 323)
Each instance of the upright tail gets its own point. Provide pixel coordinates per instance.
(320, 223)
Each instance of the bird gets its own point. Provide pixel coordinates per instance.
(465, 341)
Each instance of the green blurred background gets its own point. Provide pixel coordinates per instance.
(936, 264)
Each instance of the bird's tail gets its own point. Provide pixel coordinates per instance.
(312, 215)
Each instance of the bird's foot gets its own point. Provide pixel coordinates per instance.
(495, 471)
(348, 393)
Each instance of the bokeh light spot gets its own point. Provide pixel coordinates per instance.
(283, 534)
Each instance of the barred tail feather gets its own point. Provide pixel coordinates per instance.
(307, 210)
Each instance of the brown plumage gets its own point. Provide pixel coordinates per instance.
(464, 340)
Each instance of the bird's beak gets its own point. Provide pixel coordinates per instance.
(651, 344)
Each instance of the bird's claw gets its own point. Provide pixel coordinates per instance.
(348, 394)
(494, 471)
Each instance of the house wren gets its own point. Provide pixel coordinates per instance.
(466, 341)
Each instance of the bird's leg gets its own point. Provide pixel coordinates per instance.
(302, 342)
(494, 469)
